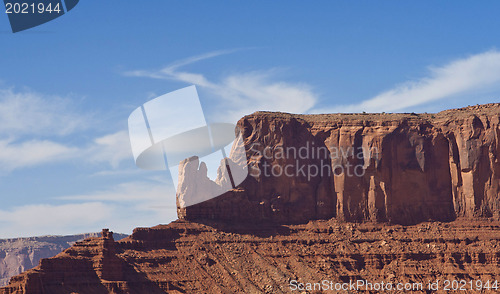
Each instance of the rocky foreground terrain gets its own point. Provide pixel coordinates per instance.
(416, 205)
(21, 254)
(187, 257)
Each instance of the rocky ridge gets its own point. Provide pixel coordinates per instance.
(20, 254)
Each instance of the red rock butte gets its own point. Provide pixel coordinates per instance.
(413, 168)
(423, 207)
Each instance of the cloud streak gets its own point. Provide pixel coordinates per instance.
(112, 149)
(120, 207)
(34, 129)
(37, 130)
(474, 73)
(29, 113)
(45, 219)
(138, 191)
(242, 93)
(33, 152)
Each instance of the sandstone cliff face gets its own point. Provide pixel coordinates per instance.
(400, 168)
(21, 254)
(186, 257)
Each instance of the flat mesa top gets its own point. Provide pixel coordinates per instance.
(465, 112)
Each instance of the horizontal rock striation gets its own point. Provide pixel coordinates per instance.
(398, 168)
(187, 257)
(89, 266)
(20, 254)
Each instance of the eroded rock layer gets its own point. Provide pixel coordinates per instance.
(20, 254)
(401, 168)
(186, 257)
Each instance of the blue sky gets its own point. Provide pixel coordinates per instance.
(68, 86)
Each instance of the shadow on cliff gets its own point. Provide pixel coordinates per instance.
(256, 229)
(138, 283)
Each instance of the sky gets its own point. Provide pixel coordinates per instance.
(68, 86)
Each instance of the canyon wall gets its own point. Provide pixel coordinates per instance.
(398, 168)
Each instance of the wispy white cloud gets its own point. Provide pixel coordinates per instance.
(174, 66)
(141, 191)
(172, 71)
(112, 148)
(249, 92)
(44, 219)
(34, 130)
(242, 93)
(31, 153)
(37, 130)
(30, 113)
(120, 207)
(474, 73)
(118, 172)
